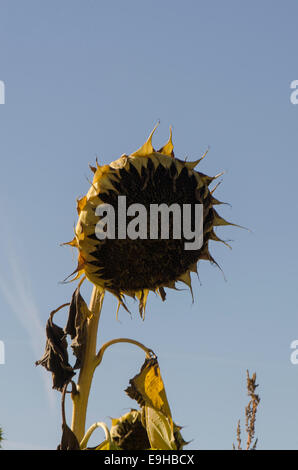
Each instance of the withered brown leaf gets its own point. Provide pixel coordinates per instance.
(76, 325)
(55, 358)
(68, 440)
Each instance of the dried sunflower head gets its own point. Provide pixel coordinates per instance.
(126, 266)
(129, 433)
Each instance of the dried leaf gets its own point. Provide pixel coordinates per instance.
(55, 358)
(68, 440)
(147, 388)
(77, 325)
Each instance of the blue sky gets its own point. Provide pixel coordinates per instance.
(87, 79)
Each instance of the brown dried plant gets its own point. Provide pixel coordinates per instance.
(250, 415)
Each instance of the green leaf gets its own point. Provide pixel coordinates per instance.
(159, 430)
(108, 445)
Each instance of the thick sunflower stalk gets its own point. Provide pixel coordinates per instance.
(81, 395)
(134, 267)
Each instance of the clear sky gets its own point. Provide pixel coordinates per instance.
(91, 78)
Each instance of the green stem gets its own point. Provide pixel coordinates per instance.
(92, 428)
(100, 354)
(80, 399)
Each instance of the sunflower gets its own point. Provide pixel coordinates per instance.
(133, 267)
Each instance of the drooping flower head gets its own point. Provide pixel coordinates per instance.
(126, 266)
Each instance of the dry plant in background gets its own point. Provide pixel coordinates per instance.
(128, 267)
(250, 415)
